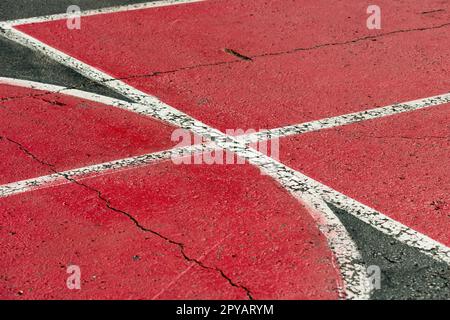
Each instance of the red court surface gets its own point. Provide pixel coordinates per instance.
(280, 255)
(277, 88)
(398, 165)
(223, 231)
(69, 132)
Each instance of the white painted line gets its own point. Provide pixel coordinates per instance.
(346, 253)
(299, 185)
(50, 88)
(105, 168)
(349, 261)
(85, 13)
(350, 118)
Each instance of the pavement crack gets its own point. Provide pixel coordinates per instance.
(223, 275)
(157, 73)
(108, 205)
(361, 39)
(53, 102)
(27, 152)
(243, 58)
(432, 11)
(237, 54)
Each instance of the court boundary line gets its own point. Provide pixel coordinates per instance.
(307, 185)
(49, 88)
(98, 170)
(351, 266)
(294, 181)
(343, 248)
(349, 118)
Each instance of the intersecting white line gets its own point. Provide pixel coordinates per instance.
(349, 118)
(85, 13)
(308, 190)
(100, 169)
(140, 160)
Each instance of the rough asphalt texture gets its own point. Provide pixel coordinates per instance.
(406, 274)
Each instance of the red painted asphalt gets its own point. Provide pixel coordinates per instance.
(274, 90)
(279, 255)
(69, 133)
(228, 217)
(398, 165)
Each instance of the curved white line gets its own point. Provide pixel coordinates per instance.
(51, 88)
(349, 260)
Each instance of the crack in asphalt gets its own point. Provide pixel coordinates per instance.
(250, 58)
(432, 11)
(237, 54)
(240, 59)
(107, 202)
(53, 102)
(366, 38)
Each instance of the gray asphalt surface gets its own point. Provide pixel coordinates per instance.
(406, 273)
